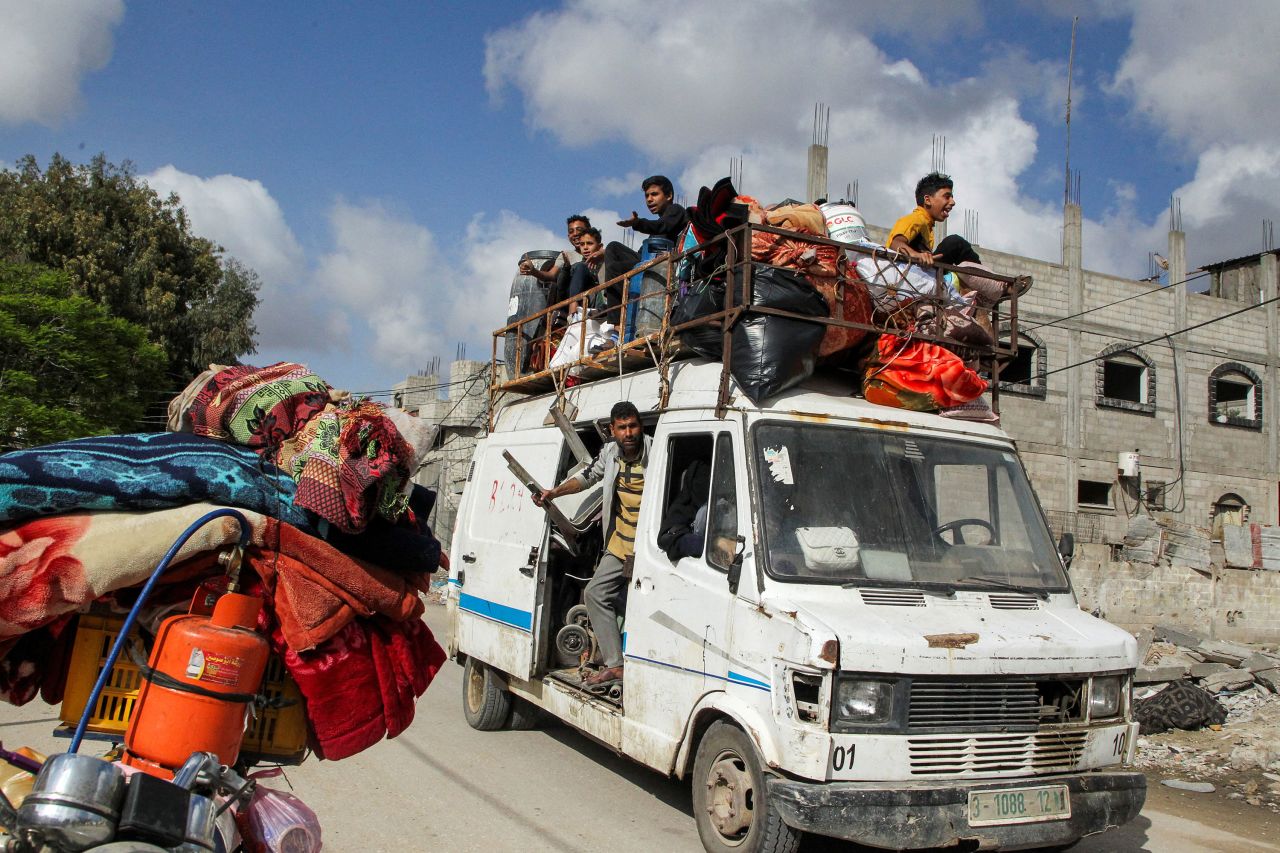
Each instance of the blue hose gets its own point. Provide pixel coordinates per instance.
(92, 703)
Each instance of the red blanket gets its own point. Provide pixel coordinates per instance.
(361, 685)
(316, 590)
(919, 376)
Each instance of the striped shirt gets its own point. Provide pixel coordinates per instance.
(627, 490)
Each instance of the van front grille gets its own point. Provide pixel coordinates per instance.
(996, 755)
(987, 704)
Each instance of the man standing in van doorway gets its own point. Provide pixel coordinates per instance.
(620, 464)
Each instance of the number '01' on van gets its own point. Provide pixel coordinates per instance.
(866, 633)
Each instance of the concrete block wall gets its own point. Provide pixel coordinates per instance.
(1240, 605)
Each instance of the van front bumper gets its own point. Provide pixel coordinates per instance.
(914, 816)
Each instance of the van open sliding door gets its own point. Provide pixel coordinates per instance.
(501, 552)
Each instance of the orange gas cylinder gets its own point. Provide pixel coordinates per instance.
(197, 660)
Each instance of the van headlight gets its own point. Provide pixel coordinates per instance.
(1104, 697)
(863, 702)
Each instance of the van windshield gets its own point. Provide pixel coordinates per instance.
(874, 508)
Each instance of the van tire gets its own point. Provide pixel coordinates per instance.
(730, 805)
(525, 716)
(485, 702)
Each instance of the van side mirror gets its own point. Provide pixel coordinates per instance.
(1067, 548)
(735, 565)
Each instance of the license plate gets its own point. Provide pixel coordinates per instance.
(1019, 805)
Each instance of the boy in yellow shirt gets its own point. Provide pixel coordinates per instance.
(912, 235)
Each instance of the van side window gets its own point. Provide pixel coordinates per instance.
(722, 526)
(683, 529)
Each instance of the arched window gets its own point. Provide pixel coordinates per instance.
(1228, 509)
(1126, 379)
(1235, 396)
(1025, 374)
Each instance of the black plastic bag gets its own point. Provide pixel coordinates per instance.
(703, 297)
(770, 353)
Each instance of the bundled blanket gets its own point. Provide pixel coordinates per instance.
(351, 459)
(350, 463)
(52, 566)
(360, 685)
(316, 590)
(142, 471)
(255, 407)
(919, 376)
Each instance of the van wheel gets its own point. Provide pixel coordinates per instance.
(730, 805)
(525, 716)
(485, 703)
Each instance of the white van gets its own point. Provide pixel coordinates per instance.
(877, 642)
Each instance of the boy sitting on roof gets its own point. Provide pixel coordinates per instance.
(558, 276)
(912, 235)
(659, 197)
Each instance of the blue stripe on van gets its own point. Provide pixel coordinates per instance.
(512, 616)
(739, 678)
(733, 678)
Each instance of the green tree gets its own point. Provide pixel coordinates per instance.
(225, 317)
(130, 251)
(68, 368)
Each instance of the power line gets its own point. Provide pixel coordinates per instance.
(1157, 338)
(1163, 287)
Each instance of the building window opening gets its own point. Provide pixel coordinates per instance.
(1094, 494)
(1124, 380)
(1228, 509)
(1024, 372)
(1235, 397)
(1020, 370)
(1235, 400)
(1154, 495)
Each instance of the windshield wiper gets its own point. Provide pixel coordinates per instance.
(1029, 590)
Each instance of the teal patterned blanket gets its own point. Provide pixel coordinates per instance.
(144, 471)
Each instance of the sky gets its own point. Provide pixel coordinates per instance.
(383, 165)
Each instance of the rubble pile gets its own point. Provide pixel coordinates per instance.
(1216, 666)
(1238, 741)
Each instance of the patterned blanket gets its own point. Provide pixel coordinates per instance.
(143, 471)
(351, 463)
(256, 407)
(350, 460)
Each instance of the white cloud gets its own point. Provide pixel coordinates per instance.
(46, 48)
(238, 214)
(720, 99)
(614, 187)
(697, 91)
(378, 280)
(1203, 74)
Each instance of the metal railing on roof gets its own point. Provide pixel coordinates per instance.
(658, 348)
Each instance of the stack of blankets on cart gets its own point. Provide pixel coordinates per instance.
(869, 286)
(340, 545)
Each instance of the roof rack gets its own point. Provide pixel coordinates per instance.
(536, 341)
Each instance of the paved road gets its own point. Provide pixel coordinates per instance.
(442, 786)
